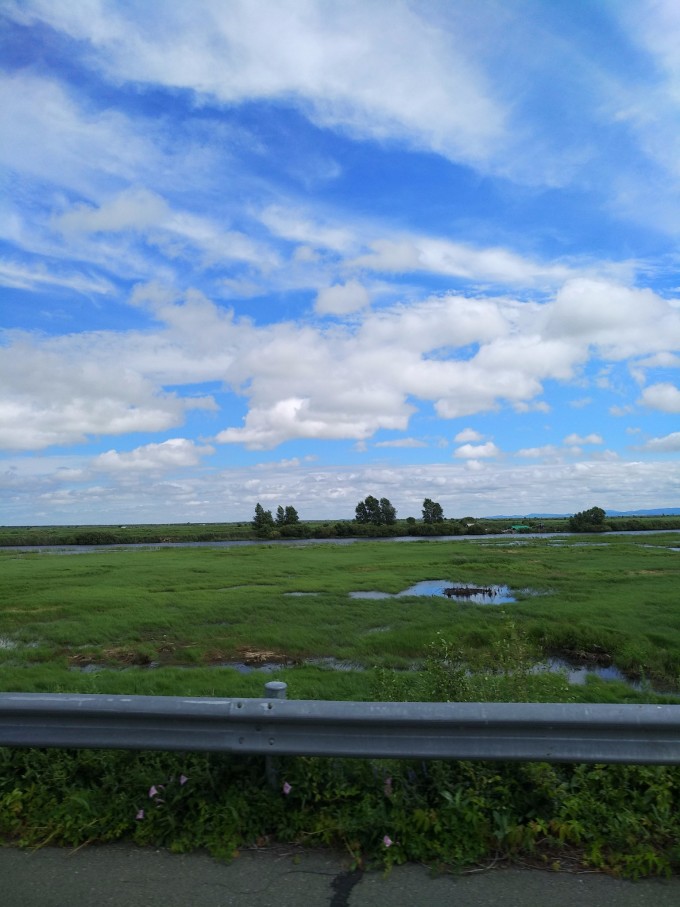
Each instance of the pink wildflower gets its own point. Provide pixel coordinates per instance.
(140, 814)
(286, 788)
(387, 841)
(153, 791)
(183, 779)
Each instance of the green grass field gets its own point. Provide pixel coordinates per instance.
(162, 621)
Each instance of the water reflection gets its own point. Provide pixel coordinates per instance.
(488, 595)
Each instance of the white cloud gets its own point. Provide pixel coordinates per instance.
(575, 439)
(476, 451)
(375, 370)
(135, 209)
(55, 140)
(536, 406)
(176, 233)
(621, 321)
(167, 455)
(660, 360)
(664, 397)
(342, 299)
(668, 444)
(297, 226)
(26, 277)
(468, 434)
(547, 451)
(441, 256)
(473, 487)
(402, 442)
(59, 390)
(342, 64)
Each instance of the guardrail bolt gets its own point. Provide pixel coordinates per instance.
(275, 689)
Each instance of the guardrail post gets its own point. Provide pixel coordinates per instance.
(274, 689)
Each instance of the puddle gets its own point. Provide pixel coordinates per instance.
(267, 667)
(477, 595)
(6, 644)
(578, 674)
(302, 594)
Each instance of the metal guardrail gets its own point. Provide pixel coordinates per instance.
(421, 730)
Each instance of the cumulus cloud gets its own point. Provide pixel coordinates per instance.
(621, 321)
(167, 455)
(660, 360)
(463, 355)
(477, 451)
(663, 396)
(468, 434)
(668, 444)
(58, 391)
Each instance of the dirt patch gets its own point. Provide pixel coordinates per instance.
(251, 656)
(648, 572)
(123, 656)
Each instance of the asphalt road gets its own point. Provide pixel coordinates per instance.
(121, 875)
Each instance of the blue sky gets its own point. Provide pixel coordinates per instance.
(305, 251)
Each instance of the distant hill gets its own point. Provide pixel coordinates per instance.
(659, 511)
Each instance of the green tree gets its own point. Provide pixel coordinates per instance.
(263, 521)
(291, 516)
(588, 520)
(287, 517)
(368, 511)
(432, 512)
(374, 511)
(387, 512)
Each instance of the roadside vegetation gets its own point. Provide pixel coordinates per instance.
(170, 621)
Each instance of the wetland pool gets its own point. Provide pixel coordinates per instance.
(476, 595)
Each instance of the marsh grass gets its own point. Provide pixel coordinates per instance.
(200, 607)
(160, 622)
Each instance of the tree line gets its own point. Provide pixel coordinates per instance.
(371, 512)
